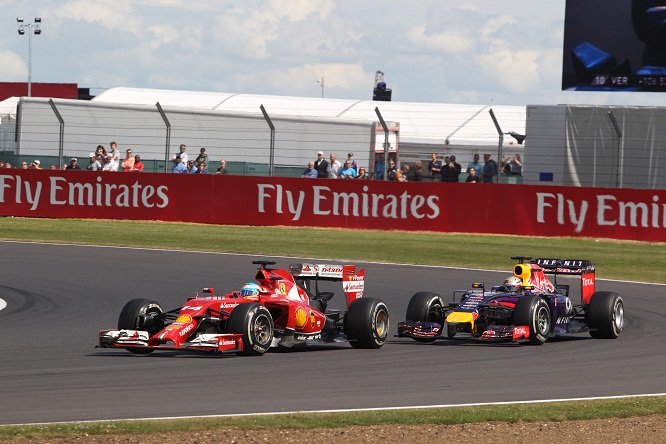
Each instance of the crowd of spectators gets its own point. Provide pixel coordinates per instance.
(446, 170)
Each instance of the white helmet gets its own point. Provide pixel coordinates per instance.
(513, 283)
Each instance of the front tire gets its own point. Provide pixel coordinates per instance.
(425, 306)
(533, 312)
(137, 314)
(605, 315)
(254, 322)
(367, 323)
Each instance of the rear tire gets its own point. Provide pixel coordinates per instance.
(425, 306)
(254, 322)
(605, 315)
(533, 312)
(367, 323)
(133, 317)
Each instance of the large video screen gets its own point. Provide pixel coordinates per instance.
(615, 45)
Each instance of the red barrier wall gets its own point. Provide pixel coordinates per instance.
(445, 207)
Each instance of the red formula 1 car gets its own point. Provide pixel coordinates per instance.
(280, 308)
(527, 307)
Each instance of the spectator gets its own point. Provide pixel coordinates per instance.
(100, 154)
(63, 166)
(94, 164)
(310, 172)
(128, 162)
(502, 166)
(333, 168)
(202, 157)
(402, 175)
(350, 157)
(24, 165)
(111, 163)
(435, 168)
(347, 172)
(73, 164)
(515, 166)
(53, 167)
(191, 167)
(114, 152)
(451, 170)
(379, 167)
(391, 173)
(472, 177)
(35, 165)
(475, 164)
(362, 174)
(7, 165)
(321, 165)
(138, 165)
(417, 176)
(183, 154)
(223, 168)
(2, 163)
(489, 169)
(201, 167)
(178, 166)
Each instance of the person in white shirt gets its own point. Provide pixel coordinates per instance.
(183, 154)
(333, 168)
(111, 164)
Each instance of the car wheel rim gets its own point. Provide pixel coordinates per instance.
(262, 329)
(618, 317)
(381, 323)
(543, 321)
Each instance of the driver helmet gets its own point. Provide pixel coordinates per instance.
(513, 283)
(250, 290)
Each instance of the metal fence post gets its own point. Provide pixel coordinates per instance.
(619, 180)
(61, 141)
(500, 144)
(271, 159)
(168, 136)
(386, 142)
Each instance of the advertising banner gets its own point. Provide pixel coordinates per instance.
(358, 204)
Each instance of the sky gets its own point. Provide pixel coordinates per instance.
(503, 52)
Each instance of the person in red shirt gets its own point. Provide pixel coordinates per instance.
(138, 165)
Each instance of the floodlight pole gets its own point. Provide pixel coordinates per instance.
(37, 31)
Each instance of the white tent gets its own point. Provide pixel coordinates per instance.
(424, 127)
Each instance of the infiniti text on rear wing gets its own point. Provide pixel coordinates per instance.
(584, 268)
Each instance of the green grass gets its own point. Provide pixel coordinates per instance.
(558, 411)
(614, 259)
(636, 261)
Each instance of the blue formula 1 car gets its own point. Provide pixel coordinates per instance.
(527, 307)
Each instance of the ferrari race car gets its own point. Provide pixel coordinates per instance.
(528, 307)
(281, 308)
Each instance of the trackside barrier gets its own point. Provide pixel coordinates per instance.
(629, 214)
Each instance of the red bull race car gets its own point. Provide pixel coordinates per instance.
(527, 307)
(280, 308)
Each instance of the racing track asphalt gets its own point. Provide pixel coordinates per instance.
(59, 296)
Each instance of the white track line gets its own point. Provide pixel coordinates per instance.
(375, 409)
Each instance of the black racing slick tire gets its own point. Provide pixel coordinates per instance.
(254, 322)
(136, 315)
(605, 315)
(425, 306)
(533, 311)
(367, 323)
